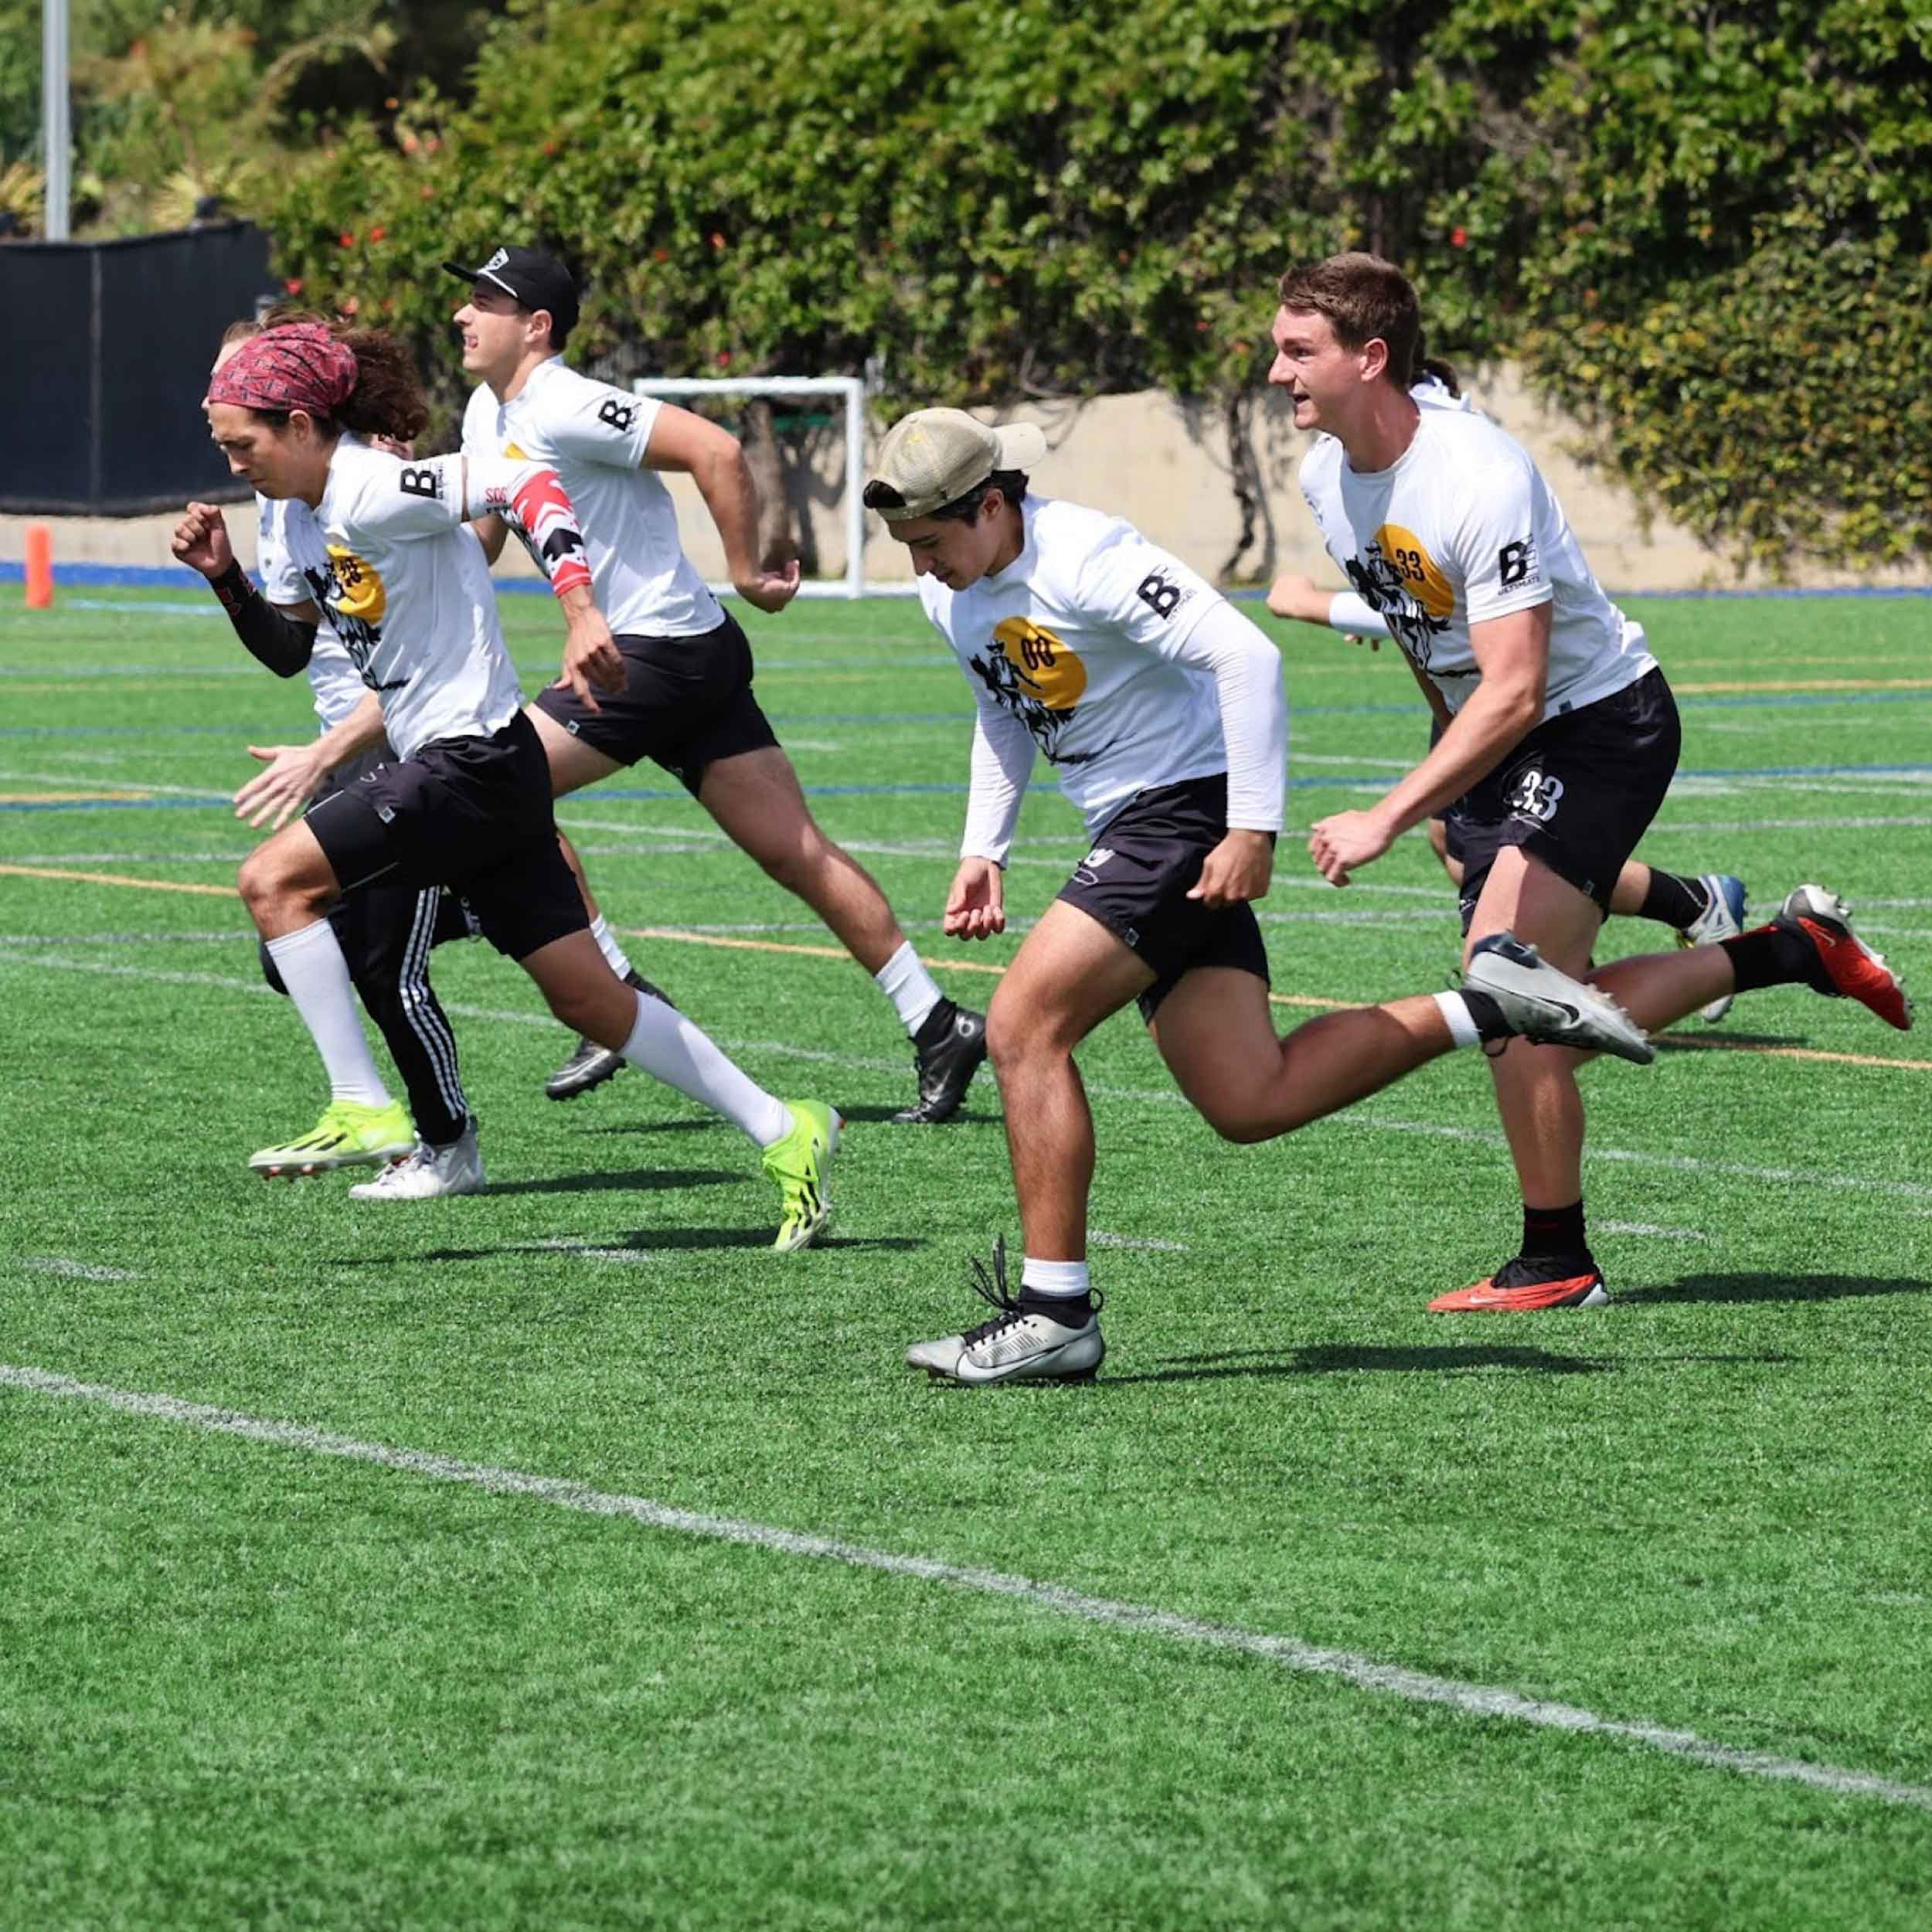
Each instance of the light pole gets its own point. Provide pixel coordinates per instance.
(56, 141)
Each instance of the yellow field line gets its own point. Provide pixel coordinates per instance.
(733, 942)
(118, 879)
(75, 797)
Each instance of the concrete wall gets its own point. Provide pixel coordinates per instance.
(1162, 464)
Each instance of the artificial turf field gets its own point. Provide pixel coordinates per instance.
(345, 1583)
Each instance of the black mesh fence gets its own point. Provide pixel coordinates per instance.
(111, 343)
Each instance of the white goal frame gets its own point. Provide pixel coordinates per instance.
(852, 389)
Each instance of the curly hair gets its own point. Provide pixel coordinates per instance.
(388, 399)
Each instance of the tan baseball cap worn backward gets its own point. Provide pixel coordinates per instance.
(932, 457)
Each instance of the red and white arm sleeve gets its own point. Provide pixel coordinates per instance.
(533, 498)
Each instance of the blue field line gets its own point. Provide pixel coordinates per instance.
(1326, 781)
(141, 575)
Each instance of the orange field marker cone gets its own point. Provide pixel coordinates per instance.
(39, 567)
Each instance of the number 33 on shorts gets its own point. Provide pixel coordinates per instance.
(1533, 796)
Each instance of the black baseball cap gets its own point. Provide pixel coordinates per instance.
(532, 279)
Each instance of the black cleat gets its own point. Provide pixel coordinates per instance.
(592, 1065)
(947, 1053)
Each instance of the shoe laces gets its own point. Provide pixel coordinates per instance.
(992, 1288)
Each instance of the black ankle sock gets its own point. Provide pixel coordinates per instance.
(1773, 955)
(1556, 1231)
(1483, 1009)
(936, 1025)
(1069, 1311)
(1672, 901)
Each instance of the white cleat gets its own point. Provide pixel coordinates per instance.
(428, 1171)
(1541, 1002)
(1722, 919)
(1012, 1347)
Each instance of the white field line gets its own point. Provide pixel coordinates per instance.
(1290, 1653)
(1359, 1120)
(1644, 1227)
(73, 1270)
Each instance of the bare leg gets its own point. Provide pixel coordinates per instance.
(1536, 1091)
(1215, 1031)
(1070, 974)
(755, 799)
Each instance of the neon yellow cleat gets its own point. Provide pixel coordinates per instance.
(348, 1135)
(801, 1165)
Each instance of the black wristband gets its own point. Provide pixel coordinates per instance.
(279, 642)
(233, 587)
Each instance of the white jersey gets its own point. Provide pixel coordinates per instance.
(595, 437)
(409, 592)
(1081, 639)
(292, 561)
(1461, 528)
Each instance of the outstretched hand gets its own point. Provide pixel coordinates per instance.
(273, 797)
(1340, 843)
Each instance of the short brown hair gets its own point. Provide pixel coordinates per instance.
(1364, 300)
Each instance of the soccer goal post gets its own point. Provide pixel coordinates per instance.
(852, 389)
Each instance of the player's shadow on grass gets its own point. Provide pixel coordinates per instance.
(647, 1240)
(643, 1180)
(1351, 1358)
(965, 1116)
(1775, 1287)
(1728, 1041)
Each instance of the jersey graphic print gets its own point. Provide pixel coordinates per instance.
(1031, 674)
(1396, 576)
(352, 594)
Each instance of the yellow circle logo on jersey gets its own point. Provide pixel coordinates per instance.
(355, 589)
(1404, 552)
(1047, 671)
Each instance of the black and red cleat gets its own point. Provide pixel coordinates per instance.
(1527, 1283)
(1847, 967)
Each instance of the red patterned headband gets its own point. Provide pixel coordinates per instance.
(299, 367)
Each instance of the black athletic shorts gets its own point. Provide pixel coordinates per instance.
(1577, 793)
(1136, 880)
(686, 703)
(473, 813)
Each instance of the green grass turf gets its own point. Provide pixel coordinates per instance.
(242, 1684)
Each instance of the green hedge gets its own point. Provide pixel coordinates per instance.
(1702, 228)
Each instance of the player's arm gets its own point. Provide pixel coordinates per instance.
(1512, 653)
(1160, 604)
(1246, 670)
(425, 499)
(1003, 762)
(683, 441)
(492, 532)
(295, 773)
(1298, 596)
(281, 642)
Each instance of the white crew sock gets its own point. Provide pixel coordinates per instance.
(1059, 1279)
(311, 963)
(1455, 1010)
(618, 961)
(912, 991)
(666, 1044)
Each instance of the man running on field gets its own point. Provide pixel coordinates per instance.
(467, 801)
(687, 701)
(1562, 734)
(1161, 708)
(1700, 910)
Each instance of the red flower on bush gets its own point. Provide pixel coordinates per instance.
(345, 240)
(1458, 236)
